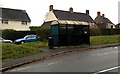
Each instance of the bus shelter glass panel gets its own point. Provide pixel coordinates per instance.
(77, 30)
(54, 30)
(63, 29)
(70, 29)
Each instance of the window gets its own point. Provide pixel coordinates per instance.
(4, 21)
(23, 23)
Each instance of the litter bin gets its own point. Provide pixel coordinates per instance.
(50, 43)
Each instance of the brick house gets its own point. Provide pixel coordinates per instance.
(102, 22)
(117, 26)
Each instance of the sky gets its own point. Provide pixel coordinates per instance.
(37, 9)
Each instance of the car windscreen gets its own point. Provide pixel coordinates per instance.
(30, 36)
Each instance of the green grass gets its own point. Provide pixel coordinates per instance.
(38, 44)
(97, 40)
(13, 51)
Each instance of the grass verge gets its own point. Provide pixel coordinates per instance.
(97, 40)
(13, 51)
(37, 44)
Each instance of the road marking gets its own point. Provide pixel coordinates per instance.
(100, 54)
(104, 54)
(20, 69)
(54, 63)
(106, 70)
(116, 47)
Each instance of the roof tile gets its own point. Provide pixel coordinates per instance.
(14, 14)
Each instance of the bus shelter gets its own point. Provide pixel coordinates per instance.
(69, 33)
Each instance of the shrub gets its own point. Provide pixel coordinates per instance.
(44, 33)
(95, 32)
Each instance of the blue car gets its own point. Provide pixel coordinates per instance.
(27, 38)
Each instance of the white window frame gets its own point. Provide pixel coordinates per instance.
(23, 22)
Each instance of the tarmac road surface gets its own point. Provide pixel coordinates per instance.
(96, 61)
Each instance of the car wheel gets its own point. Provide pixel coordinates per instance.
(22, 42)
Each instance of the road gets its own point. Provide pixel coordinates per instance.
(95, 60)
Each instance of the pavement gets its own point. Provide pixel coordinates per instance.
(48, 53)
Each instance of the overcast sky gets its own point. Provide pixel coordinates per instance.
(37, 9)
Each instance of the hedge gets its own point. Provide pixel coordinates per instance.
(12, 34)
(34, 28)
(94, 32)
(110, 31)
(44, 33)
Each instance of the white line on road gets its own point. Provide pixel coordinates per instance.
(104, 54)
(55, 62)
(20, 69)
(106, 70)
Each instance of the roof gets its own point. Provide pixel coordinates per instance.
(117, 25)
(14, 14)
(66, 17)
(69, 22)
(74, 16)
(64, 22)
(108, 21)
(101, 19)
(46, 23)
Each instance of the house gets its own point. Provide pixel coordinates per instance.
(67, 17)
(117, 26)
(14, 19)
(68, 27)
(102, 22)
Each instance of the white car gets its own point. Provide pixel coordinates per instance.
(5, 41)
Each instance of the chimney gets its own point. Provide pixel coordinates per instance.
(87, 12)
(71, 10)
(51, 8)
(103, 15)
(98, 13)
